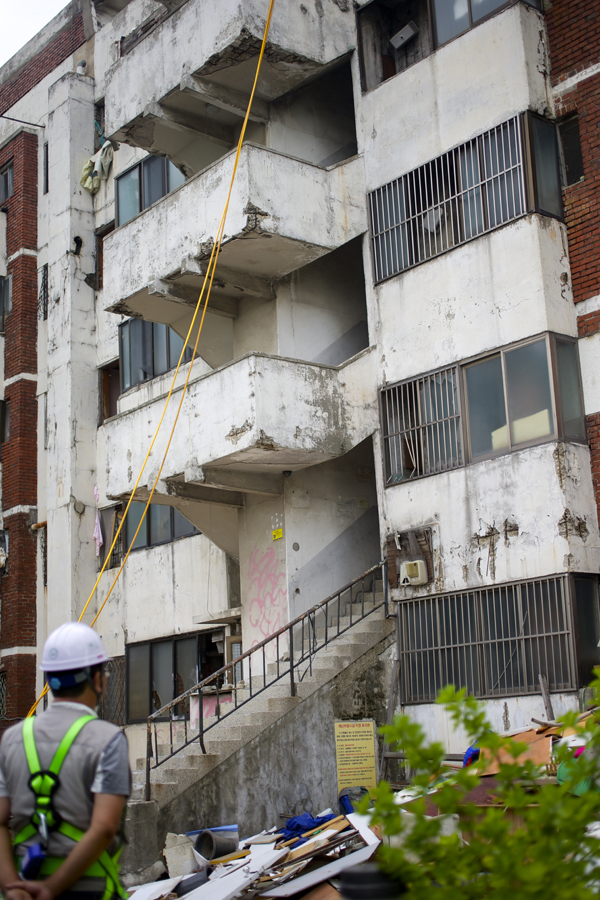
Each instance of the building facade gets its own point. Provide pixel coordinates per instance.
(399, 358)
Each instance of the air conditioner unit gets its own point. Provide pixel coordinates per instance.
(414, 572)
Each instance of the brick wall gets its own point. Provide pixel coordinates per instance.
(41, 65)
(574, 33)
(19, 453)
(582, 201)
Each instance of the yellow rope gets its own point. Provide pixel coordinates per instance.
(208, 279)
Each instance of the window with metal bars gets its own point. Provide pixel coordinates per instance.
(422, 432)
(519, 396)
(470, 190)
(493, 641)
(112, 704)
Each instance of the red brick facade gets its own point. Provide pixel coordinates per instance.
(41, 65)
(19, 453)
(574, 35)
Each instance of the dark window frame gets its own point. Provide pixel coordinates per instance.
(558, 433)
(166, 189)
(564, 124)
(147, 527)
(8, 171)
(166, 639)
(45, 170)
(399, 207)
(125, 335)
(534, 4)
(5, 300)
(4, 421)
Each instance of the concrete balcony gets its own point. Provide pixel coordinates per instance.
(283, 215)
(157, 98)
(240, 427)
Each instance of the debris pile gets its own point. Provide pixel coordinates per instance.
(300, 860)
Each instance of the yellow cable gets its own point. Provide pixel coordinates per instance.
(208, 278)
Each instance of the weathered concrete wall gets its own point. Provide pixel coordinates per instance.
(308, 211)
(436, 104)
(265, 607)
(522, 515)
(506, 714)
(499, 288)
(222, 36)
(318, 304)
(331, 526)
(262, 410)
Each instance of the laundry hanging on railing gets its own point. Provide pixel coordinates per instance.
(96, 168)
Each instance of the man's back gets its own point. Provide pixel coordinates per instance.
(96, 763)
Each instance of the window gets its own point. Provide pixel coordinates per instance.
(522, 395)
(571, 150)
(45, 169)
(6, 182)
(110, 388)
(112, 704)
(43, 293)
(148, 349)
(454, 18)
(161, 525)
(493, 641)
(159, 671)
(144, 184)
(100, 235)
(423, 426)
(5, 299)
(110, 519)
(392, 37)
(587, 626)
(4, 421)
(480, 185)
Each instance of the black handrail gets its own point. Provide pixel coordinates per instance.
(307, 648)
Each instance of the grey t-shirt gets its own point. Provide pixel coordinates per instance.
(97, 763)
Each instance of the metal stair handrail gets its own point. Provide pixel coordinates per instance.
(178, 709)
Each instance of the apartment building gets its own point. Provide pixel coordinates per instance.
(399, 358)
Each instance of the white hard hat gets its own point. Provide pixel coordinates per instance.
(72, 646)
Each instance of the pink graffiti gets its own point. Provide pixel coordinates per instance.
(267, 596)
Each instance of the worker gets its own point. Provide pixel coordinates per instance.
(64, 780)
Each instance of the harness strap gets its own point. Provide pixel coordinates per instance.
(43, 784)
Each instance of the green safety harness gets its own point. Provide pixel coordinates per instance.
(45, 818)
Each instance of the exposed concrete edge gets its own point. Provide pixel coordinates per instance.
(167, 815)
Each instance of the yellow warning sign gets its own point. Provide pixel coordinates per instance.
(277, 534)
(355, 754)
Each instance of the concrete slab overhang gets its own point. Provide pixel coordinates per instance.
(259, 414)
(219, 43)
(284, 213)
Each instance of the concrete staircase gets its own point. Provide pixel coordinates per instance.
(189, 765)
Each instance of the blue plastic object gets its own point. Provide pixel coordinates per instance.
(32, 861)
(297, 825)
(471, 755)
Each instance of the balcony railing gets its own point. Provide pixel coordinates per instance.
(286, 655)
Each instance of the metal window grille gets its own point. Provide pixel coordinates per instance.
(43, 294)
(112, 705)
(421, 426)
(446, 202)
(493, 641)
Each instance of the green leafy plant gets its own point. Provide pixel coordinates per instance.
(534, 840)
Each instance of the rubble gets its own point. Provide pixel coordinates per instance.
(269, 864)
